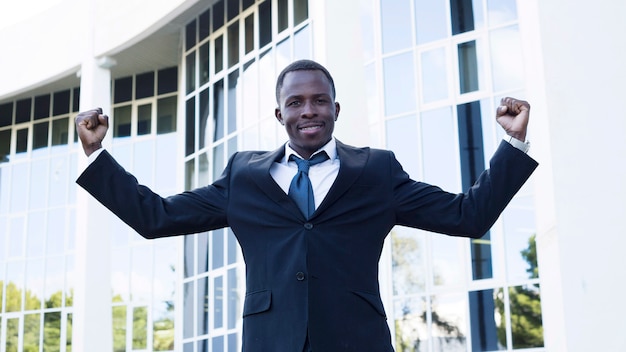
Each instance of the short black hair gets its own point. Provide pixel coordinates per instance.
(303, 65)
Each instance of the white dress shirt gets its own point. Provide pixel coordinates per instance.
(322, 175)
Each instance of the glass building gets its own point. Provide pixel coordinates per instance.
(189, 83)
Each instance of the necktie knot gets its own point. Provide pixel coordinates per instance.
(305, 164)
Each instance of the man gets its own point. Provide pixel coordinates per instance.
(312, 269)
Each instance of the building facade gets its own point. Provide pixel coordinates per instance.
(188, 83)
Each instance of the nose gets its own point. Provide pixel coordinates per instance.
(308, 110)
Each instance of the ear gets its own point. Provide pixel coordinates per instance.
(337, 108)
(279, 116)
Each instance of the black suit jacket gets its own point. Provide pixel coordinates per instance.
(316, 277)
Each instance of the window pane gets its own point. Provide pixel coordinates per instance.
(55, 274)
(434, 75)
(190, 126)
(526, 319)
(203, 250)
(168, 80)
(203, 306)
(191, 72)
(120, 273)
(190, 35)
(123, 90)
(468, 67)
(6, 114)
(396, 24)
(140, 331)
(218, 160)
(204, 63)
(217, 249)
(144, 85)
(265, 23)
(401, 140)
(5, 145)
(506, 59)
(61, 103)
(233, 81)
(12, 334)
(60, 131)
(440, 152)
(283, 15)
(501, 11)
(32, 328)
(411, 325)
(449, 322)
(21, 145)
(189, 174)
(205, 110)
(188, 310)
(141, 272)
(462, 15)
(233, 299)
(219, 54)
(249, 34)
(204, 25)
(430, 20)
(22, 110)
(15, 286)
(233, 44)
(399, 84)
(42, 107)
(121, 118)
(218, 15)
(218, 110)
(218, 302)
(232, 9)
(483, 322)
(448, 264)
(52, 328)
(144, 119)
(408, 263)
(34, 284)
(166, 115)
(519, 238)
(300, 11)
(119, 328)
(40, 135)
(36, 234)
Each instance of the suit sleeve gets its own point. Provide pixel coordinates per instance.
(469, 214)
(148, 213)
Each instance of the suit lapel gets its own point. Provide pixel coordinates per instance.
(352, 163)
(259, 168)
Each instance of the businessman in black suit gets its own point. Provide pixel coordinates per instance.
(312, 274)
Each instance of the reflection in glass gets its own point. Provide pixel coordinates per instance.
(36, 233)
(204, 63)
(143, 161)
(165, 172)
(191, 72)
(501, 11)
(439, 149)
(401, 140)
(202, 323)
(204, 125)
(519, 239)
(188, 309)
(399, 84)
(60, 131)
(233, 44)
(141, 273)
(233, 81)
(218, 110)
(408, 256)
(232, 147)
(468, 67)
(218, 160)
(190, 126)
(144, 119)
(449, 321)
(265, 23)
(410, 325)
(119, 328)
(300, 11)
(38, 186)
(120, 271)
(55, 275)
(32, 328)
(249, 34)
(16, 237)
(121, 121)
(430, 20)
(396, 19)
(434, 82)
(52, 328)
(58, 181)
(486, 321)
(140, 330)
(526, 320)
(21, 143)
(233, 299)
(5, 145)
(189, 174)
(189, 255)
(283, 53)
(219, 54)
(166, 115)
(12, 334)
(302, 43)
(203, 169)
(14, 286)
(218, 302)
(203, 346)
(217, 249)
(507, 59)
(40, 135)
(203, 249)
(34, 284)
(69, 280)
(448, 261)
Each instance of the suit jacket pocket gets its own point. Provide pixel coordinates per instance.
(373, 300)
(257, 302)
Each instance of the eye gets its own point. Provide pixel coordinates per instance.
(293, 103)
(321, 101)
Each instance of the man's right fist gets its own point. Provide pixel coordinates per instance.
(91, 126)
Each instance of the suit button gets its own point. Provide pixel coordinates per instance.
(308, 225)
(300, 275)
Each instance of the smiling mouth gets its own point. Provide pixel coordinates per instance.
(310, 128)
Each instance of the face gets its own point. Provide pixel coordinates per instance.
(308, 110)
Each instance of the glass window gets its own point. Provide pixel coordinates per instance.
(233, 81)
(42, 107)
(411, 324)
(22, 110)
(232, 9)
(55, 275)
(123, 90)
(218, 110)
(122, 121)
(205, 110)
(19, 186)
(408, 250)
(119, 328)
(120, 270)
(191, 72)
(507, 59)
(283, 15)
(58, 181)
(6, 114)
(12, 334)
(203, 306)
(141, 272)
(430, 20)
(168, 80)
(69, 280)
(60, 131)
(21, 144)
(396, 24)
(190, 35)
(233, 299)
(520, 244)
(204, 25)
(61, 103)
(144, 119)
(300, 11)
(399, 84)
(462, 15)
(219, 54)
(526, 319)
(166, 115)
(448, 266)
(265, 23)
(5, 145)
(434, 75)
(32, 329)
(217, 249)
(218, 15)
(249, 34)
(36, 234)
(501, 11)
(52, 328)
(34, 284)
(439, 151)
(140, 330)
(143, 161)
(76, 99)
(247, 3)
(233, 248)
(190, 126)
(218, 303)
(165, 170)
(449, 322)
(188, 308)
(217, 343)
(55, 242)
(233, 44)
(40, 135)
(190, 174)
(485, 327)
(468, 67)
(401, 140)
(204, 67)
(368, 29)
(373, 97)
(218, 160)
(203, 250)
(144, 87)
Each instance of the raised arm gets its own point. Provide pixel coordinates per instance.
(91, 126)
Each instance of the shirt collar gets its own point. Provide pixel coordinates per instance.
(330, 148)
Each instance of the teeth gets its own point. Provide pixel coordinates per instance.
(309, 128)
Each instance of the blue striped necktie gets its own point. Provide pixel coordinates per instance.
(300, 189)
